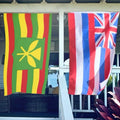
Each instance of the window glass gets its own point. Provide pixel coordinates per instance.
(29, 1)
(2, 49)
(54, 57)
(58, 1)
(6, 1)
(118, 38)
(87, 1)
(113, 1)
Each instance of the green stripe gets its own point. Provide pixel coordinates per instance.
(35, 25)
(14, 76)
(17, 36)
(16, 26)
(34, 35)
(48, 54)
(30, 81)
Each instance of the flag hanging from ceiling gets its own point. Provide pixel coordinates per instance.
(92, 41)
(27, 48)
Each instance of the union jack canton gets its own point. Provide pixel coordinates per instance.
(106, 29)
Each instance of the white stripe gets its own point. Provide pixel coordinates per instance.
(79, 53)
(103, 84)
(96, 70)
(112, 53)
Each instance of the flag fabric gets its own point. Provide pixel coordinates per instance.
(27, 49)
(92, 41)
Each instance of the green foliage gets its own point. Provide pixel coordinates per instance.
(111, 80)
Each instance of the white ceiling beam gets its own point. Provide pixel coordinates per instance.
(55, 8)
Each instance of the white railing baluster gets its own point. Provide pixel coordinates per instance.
(89, 103)
(105, 96)
(113, 85)
(72, 102)
(97, 96)
(80, 105)
(118, 62)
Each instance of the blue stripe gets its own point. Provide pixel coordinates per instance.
(102, 65)
(86, 54)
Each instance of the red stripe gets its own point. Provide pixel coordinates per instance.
(29, 24)
(92, 52)
(24, 81)
(11, 49)
(107, 63)
(112, 40)
(29, 34)
(107, 53)
(72, 47)
(107, 30)
(42, 72)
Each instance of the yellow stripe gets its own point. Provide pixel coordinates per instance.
(23, 25)
(36, 75)
(19, 81)
(6, 53)
(23, 30)
(40, 18)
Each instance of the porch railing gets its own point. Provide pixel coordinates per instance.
(84, 103)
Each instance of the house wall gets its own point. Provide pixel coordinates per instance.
(53, 8)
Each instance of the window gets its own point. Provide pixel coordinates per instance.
(58, 1)
(6, 1)
(87, 1)
(113, 1)
(29, 1)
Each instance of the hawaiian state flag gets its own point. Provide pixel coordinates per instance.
(27, 48)
(92, 41)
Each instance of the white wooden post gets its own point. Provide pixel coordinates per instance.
(65, 111)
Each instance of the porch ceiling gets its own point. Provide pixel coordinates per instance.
(59, 1)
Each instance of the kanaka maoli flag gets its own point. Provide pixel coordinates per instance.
(27, 48)
(92, 41)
